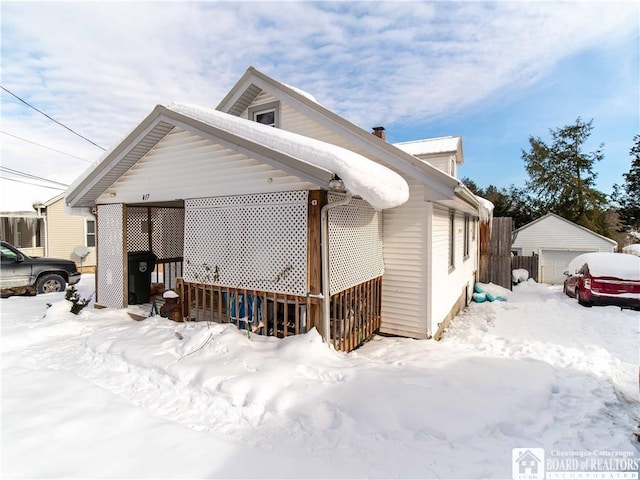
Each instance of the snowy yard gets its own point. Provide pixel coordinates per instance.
(100, 395)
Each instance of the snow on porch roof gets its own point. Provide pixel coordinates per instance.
(310, 159)
(379, 186)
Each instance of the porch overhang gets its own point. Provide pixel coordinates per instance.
(310, 160)
(116, 162)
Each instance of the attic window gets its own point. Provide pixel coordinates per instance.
(268, 114)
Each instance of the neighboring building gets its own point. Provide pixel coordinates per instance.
(243, 204)
(49, 231)
(68, 236)
(24, 230)
(557, 241)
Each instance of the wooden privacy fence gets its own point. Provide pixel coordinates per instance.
(495, 257)
(354, 312)
(527, 263)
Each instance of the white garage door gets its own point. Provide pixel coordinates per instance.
(554, 262)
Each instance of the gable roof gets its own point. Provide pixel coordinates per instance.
(441, 185)
(553, 215)
(434, 147)
(50, 202)
(309, 159)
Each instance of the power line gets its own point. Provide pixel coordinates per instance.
(30, 176)
(29, 183)
(51, 118)
(44, 146)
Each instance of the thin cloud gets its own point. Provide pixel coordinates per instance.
(100, 67)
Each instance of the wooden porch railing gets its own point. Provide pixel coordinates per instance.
(355, 314)
(354, 317)
(167, 271)
(265, 313)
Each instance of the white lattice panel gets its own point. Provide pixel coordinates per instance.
(110, 288)
(355, 244)
(167, 230)
(137, 230)
(249, 241)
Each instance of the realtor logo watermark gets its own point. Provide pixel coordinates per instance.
(536, 464)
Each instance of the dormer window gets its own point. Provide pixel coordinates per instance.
(268, 114)
(268, 117)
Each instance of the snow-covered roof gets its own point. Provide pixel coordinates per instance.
(608, 264)
(310, 159)
(431, 146)
(553, 215)
(379, 186)
(304, 93)
(50, 202)
(439, 184)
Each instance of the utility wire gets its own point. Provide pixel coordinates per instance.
(51, 118)
(29, 183)
(44, 146)
(30, 176)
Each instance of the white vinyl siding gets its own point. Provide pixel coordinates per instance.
(555, 233)
(448, 284)
(64, 233)
(404, 285)
(294, 121)
(446, 164)
(184, 165)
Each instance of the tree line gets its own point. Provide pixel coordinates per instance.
(562, 181)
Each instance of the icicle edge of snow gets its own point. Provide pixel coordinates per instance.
(485, 209)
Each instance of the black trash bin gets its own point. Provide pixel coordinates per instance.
(140, 265)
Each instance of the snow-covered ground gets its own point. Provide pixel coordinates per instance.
(101, 395)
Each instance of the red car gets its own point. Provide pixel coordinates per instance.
(604, 278)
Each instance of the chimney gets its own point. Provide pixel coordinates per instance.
(379, 132)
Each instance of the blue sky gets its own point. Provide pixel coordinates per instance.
(494, 73)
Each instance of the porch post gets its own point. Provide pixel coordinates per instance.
(317, 199)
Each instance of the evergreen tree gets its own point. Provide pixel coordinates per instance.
(627, 196)
(561, 176)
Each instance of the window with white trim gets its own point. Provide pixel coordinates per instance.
(467, 236)
(268, 114)
(452, 239)
(90, 233)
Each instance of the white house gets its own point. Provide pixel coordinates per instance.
(246, 209)
(557, 241)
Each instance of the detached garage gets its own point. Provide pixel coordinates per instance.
(557, 241)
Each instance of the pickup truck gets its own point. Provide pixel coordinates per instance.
(22, 274)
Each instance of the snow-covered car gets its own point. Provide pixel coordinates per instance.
(604, 278)
(23, 274)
